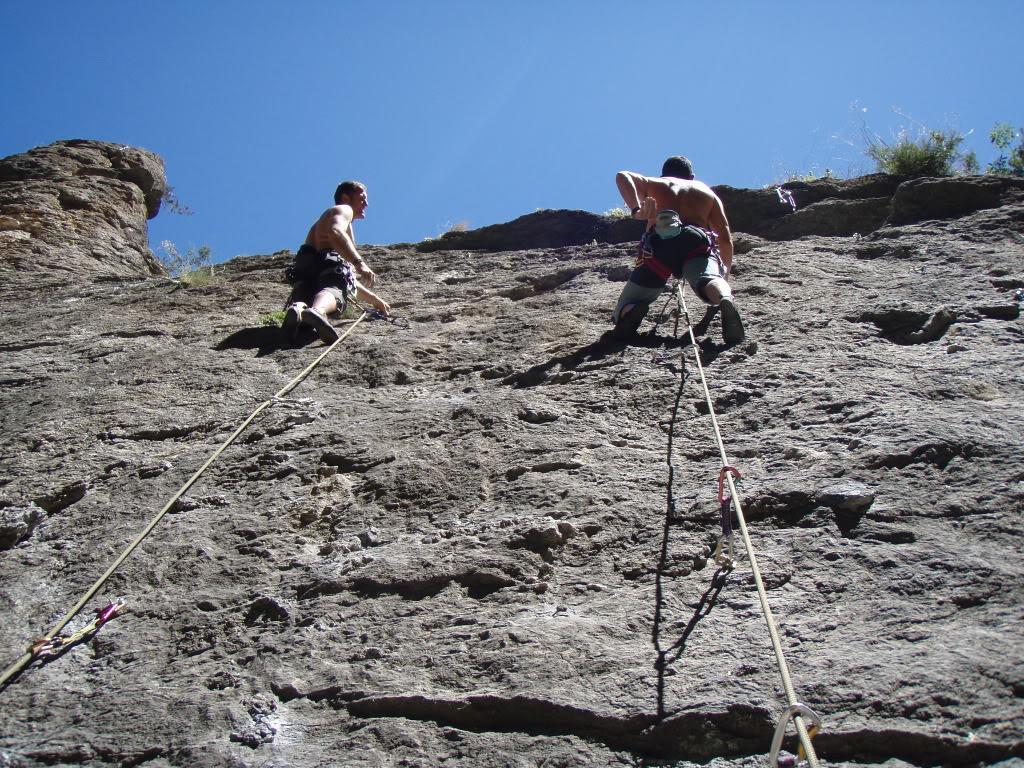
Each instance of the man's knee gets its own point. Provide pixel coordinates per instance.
(325, 302)
(713, 290)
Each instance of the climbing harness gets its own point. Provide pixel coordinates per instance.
(795, 711)
(49, 644)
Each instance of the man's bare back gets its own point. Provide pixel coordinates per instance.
(323, 234)
(694, 201)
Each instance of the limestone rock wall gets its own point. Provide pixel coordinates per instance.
(79, 207)
(825, 207)
(459, 543)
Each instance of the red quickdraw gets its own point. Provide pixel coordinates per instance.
(49, 647)
(727, 469)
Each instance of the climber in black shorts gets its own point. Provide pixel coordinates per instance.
(328, 268)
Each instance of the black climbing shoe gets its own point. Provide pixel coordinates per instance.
(320, 324)
(732, 325)
(292, 321)
(629, 322)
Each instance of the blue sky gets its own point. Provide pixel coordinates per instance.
(478, 112)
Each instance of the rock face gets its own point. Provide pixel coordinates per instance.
(79, 207)
(467, 540)
(828, 207)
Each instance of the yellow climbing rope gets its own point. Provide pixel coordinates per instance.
(49, 643)
(795, 710)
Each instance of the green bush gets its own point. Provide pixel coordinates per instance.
(933, 153)
(1002, 136)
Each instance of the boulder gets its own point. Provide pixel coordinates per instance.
(947, 198)
(80, 207)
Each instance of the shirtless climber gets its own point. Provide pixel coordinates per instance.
(328, 268)
(684, 219)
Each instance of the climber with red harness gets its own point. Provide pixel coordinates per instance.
(687, 236)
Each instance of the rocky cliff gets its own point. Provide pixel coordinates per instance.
(482, 536)
(80, 207)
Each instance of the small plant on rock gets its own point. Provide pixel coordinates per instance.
(617, 213)
(811, 175)
(272, 319)
(193, 267)
(173, 202)
(933, 153)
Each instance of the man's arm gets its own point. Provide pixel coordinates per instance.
(720, 225)
(634, 190)
(339, 226)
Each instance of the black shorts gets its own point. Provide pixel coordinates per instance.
(315, 271)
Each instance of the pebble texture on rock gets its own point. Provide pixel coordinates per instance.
(447, 546)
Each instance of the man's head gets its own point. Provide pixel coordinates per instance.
(678, 168)
(353, 194)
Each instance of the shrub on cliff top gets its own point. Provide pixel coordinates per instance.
(934, 153)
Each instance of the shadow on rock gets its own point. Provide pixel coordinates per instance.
(609, 344)
(264, 339)
(540, 373)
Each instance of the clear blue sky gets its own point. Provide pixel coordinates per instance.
(480, 111)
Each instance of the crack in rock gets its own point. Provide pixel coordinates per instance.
(541, 284)
(906, 326)
(738, 730)
(938, 454)
(175, 432)
(546, 466)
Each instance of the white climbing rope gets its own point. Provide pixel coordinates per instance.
(795, 711)
(46, 641)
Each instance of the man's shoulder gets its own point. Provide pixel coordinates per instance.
(343, 210)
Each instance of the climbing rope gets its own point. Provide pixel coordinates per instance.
(49, 644)
(795, 711)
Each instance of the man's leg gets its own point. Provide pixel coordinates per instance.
(632, 307)
(706, 277)
(324, 303)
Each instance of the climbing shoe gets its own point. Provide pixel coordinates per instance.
(292, 321)
(320, 324)
(732, 325)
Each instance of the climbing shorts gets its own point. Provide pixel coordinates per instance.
(313, 272)
(701, 270)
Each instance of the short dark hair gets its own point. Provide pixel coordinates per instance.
(347, 188)
(678, 167)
